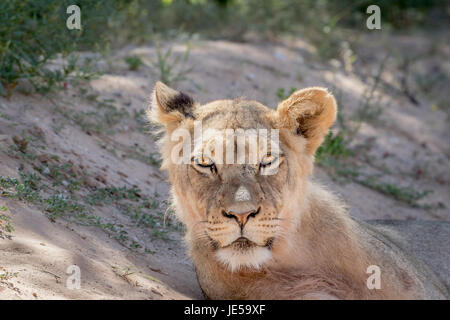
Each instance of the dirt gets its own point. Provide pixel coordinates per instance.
(406, 146)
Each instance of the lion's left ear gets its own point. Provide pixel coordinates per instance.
(308, 112)
(170, 107)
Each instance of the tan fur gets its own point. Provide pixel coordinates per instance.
(316, 251)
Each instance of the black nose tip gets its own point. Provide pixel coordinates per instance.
(241, 218)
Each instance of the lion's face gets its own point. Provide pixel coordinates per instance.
(238, 203)
(238, 168)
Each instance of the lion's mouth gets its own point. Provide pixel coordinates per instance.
(243, 243)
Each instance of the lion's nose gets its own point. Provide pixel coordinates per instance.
(241, 218)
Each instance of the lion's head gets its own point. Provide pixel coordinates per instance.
(238, 169)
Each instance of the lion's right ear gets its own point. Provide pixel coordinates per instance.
(170, 107)
(309, 113)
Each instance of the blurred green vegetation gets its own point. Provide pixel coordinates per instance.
(34, 31)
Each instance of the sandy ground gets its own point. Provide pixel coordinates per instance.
(407, 146)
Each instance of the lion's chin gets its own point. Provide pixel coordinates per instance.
(252, 257)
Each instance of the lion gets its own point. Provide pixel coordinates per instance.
(254, 234)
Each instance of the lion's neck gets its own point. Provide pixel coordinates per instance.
(324, 241)
(322, 232)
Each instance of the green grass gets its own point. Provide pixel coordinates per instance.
(406, 195)
(283, 94)
(333, 146)
(134, 62)
(169, 67)
(8, 275)
(155, 160)
(146, 211)
(143, 211)
(26, 188)
(59, 204)
(22, 147)
(61, 175)
(333, 155)
(5, 224)
(108, 195)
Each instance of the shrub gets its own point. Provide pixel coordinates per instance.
(33, 31)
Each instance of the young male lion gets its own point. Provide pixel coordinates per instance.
(263, 229)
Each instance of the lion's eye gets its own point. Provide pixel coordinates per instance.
(203, 161)
(267, 160)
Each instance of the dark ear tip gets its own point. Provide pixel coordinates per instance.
(170, 100)
(182, 103)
